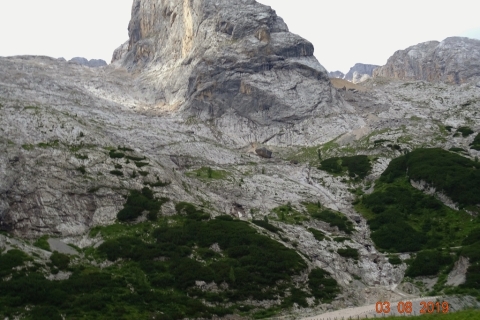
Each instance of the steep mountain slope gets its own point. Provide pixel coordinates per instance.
(454, 60)
(114, 155)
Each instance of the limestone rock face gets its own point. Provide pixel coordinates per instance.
(358, 70)
(336, 74)
(454, 60)
(227, 58)
(93, 63)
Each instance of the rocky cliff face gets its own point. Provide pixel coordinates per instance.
(454, 60)
(358, 71)
(225, 59)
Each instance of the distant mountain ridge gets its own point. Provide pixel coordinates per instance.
(454, 60)
(358, 73)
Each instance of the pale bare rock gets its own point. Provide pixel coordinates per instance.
(457, 276)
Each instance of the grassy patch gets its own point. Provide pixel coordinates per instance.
(28, 147)
(50, 144)
(141, 164)
(42, 243)
(288, 214)
(116, 155)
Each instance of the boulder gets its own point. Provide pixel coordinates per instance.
(263, 152)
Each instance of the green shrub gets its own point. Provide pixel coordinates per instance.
(158, 183)
(135, 158)
(357, 166)
(116, 155)
(60, 260)
(465, 131)
(332, 218)
(266, 225)
(394, 260)
(118, 166)
(137, 202)
(322, 285)
(125, 149)
(82, 170)
(143, 173)
(476, 143)
(11, 259)
(349, 253)
(141, 164)
(42, 243)
(319, 236)
(117, 173)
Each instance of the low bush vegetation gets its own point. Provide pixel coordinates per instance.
(116, 155)
(465, 131)
(319, 235)
(428, 263)
(117, 173)
(335, 219)
(349, 253)
(138, 202)
(42, 243)
(356, 166)
(288, 214)
(476, 143)
(265, 225)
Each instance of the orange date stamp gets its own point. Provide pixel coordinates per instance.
(409, 307)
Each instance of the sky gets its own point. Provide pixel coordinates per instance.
(343, 32)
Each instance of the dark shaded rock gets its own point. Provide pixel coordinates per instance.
(263, 152)
(336, 74)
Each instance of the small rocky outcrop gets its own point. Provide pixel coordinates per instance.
(93, 63)
(454, 60)
(336, 74)
(358, 71)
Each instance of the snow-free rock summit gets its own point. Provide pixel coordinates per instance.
(455, 60)
(226, 58)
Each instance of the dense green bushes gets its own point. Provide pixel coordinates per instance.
(116, 155)
(457, 176)
(357, 166)
(60, 260)
(323, 286)
(156, 271)
(11, 259)
(428, 263)
(139, 201)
